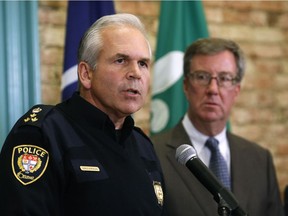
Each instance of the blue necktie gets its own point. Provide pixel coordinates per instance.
(218, 164)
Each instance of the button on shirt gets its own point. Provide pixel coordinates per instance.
(198, 140)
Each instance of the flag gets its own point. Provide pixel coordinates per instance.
(181, 23)
(80, 16)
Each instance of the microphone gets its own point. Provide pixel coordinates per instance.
(186, 155)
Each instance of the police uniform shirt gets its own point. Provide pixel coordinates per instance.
(69, 160)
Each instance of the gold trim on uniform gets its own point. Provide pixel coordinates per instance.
(29, 162)
(159, 192)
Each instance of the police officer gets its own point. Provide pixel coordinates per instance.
(85, 156)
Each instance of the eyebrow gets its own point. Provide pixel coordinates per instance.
(121, 55)
(148, 60)
(221, 72)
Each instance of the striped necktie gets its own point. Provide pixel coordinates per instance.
(217, 163)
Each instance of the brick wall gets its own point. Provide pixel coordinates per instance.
(261, 29)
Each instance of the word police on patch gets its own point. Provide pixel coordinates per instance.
(29, 162)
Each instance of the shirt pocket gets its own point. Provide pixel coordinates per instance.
(88, 170)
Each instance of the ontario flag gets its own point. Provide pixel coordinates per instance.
(181, 23)
(80, 16)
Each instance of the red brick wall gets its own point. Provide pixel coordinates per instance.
(260, 27)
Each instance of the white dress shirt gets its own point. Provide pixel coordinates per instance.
(198, 139)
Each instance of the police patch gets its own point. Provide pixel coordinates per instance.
(29, 162)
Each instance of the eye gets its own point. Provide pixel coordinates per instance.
(120, 60)
(225, 77)
(143, 64)
(202, 76)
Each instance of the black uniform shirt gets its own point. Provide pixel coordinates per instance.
(70, 160)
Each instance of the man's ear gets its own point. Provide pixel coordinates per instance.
(84, 75)
(186, 86)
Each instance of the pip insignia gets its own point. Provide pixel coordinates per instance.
(33, 116)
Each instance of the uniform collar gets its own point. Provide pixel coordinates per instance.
(86, 115)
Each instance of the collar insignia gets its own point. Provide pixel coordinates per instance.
(29, 162)
(159, 192)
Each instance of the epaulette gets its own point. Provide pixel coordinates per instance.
(35, 115)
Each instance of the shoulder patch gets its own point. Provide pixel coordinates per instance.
(35, 115)
(29, 162)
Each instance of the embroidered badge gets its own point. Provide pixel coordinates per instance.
(159, 192)
(29, 162)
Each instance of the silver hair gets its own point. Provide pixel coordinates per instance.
(92, 41)
(210, 46)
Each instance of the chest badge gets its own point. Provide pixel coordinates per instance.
(29, 162)
(159, 192)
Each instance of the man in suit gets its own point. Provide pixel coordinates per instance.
(213, 70)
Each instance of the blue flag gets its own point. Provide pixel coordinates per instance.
(80, 16)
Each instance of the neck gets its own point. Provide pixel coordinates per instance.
(209, 128)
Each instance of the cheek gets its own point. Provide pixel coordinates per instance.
(105, 81)
(103, 86)
(229, 99)
(192, 93)
(186, 89)
(146, 84)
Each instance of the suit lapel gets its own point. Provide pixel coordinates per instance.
(195, 189)
(240, 177)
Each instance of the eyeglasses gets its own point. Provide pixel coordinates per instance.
(224, 80)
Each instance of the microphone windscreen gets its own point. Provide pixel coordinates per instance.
(184, 153)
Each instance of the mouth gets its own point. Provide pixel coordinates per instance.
(133, 91)
(211, 104)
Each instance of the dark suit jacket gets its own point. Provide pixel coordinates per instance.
(254, 182)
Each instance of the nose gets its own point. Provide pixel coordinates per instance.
(213, 85)
(212, 78)
(134, 71)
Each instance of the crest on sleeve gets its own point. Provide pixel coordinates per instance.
(29, 162)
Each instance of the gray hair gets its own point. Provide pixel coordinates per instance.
(210, 46)
(92, 42)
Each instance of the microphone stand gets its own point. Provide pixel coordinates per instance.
(223, 207)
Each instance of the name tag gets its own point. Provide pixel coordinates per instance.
(90, 168)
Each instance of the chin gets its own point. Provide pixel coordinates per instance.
(131, 110)
(210, 118)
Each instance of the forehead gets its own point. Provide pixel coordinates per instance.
(126, 40)
(219, 62)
